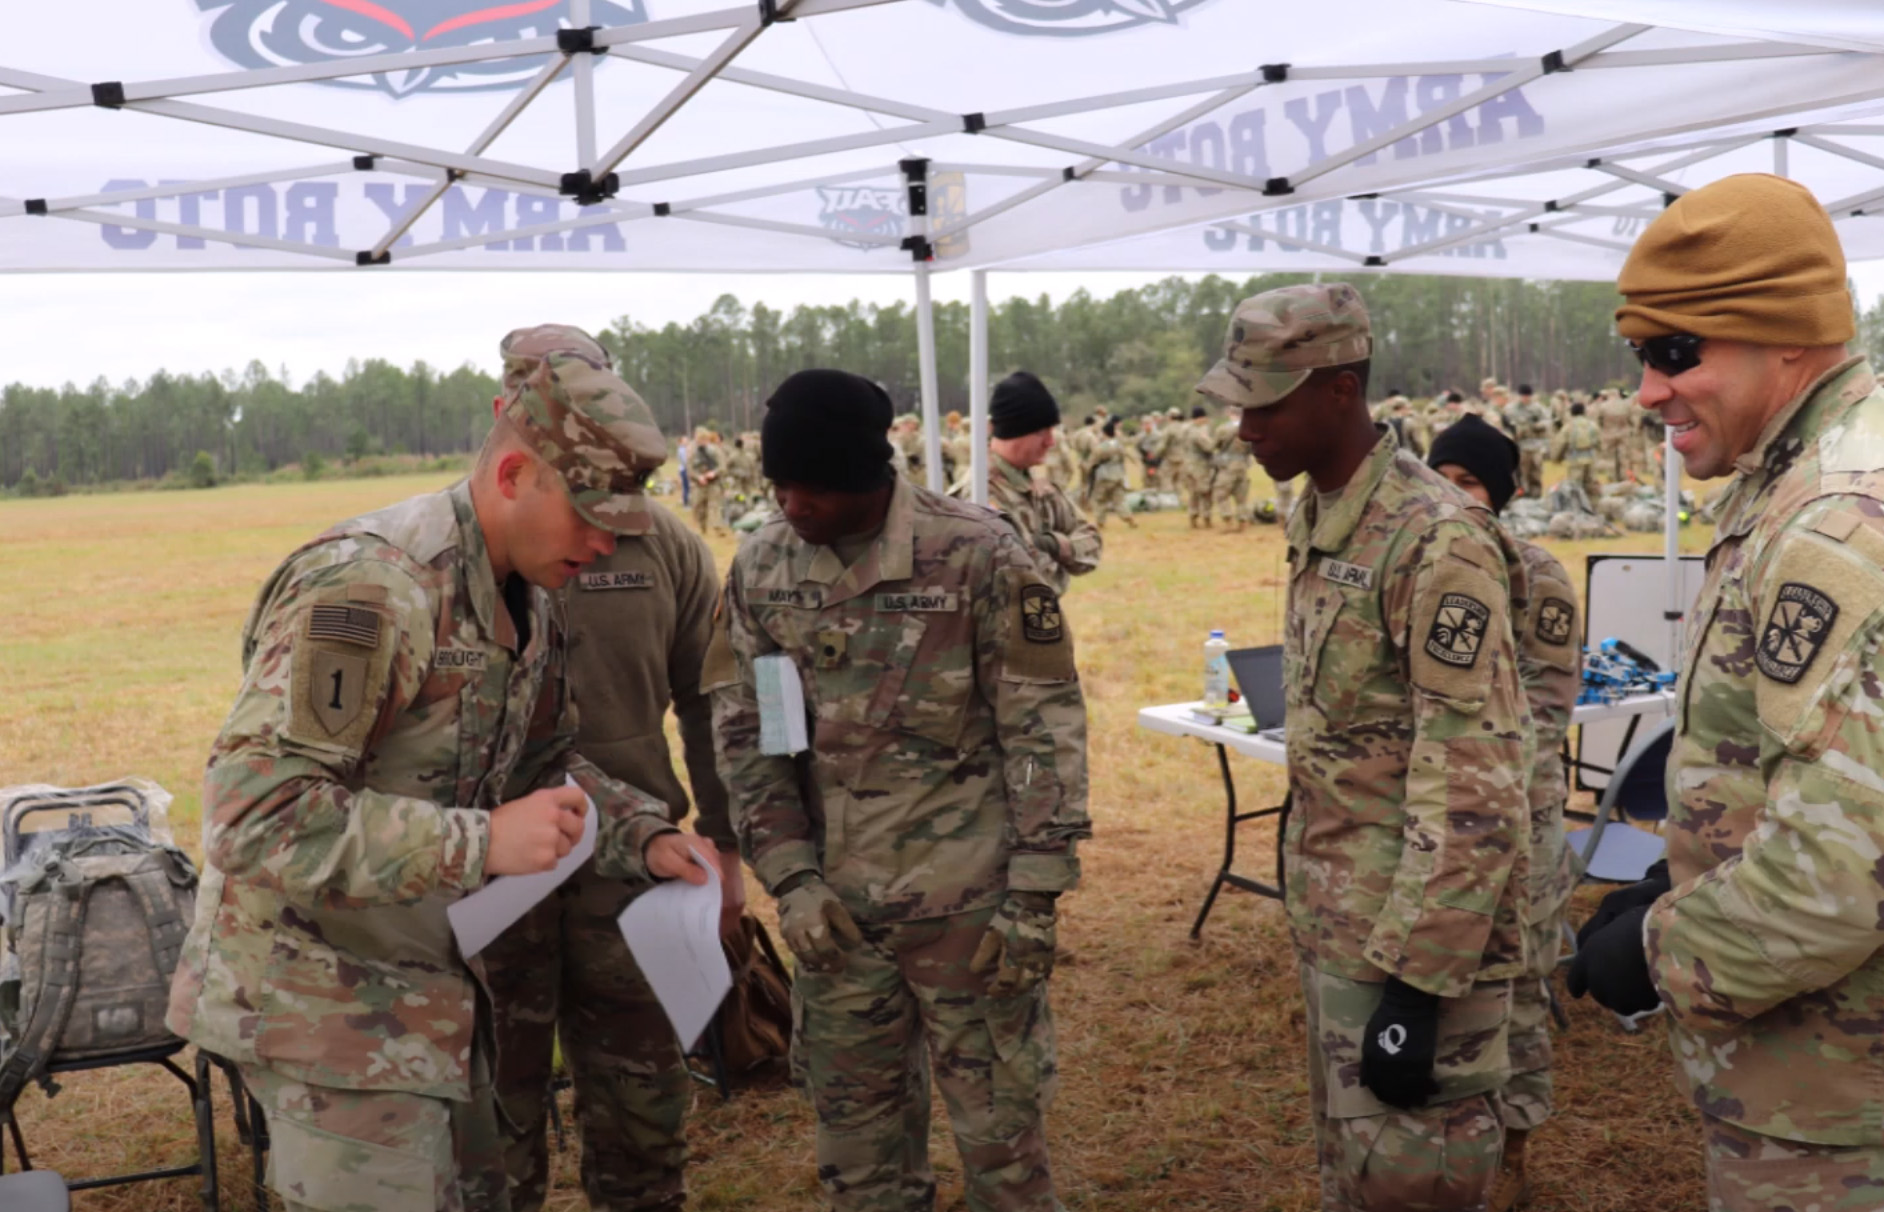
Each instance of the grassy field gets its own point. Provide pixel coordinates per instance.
(1183, 1075)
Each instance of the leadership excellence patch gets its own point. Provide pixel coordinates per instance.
(1795, 631)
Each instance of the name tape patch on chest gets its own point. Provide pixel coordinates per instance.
(804, 599)
(1458, 630)
(1556, 618)
(470, 660)
(616, 580)
(915, 600)
(1347, 574)
(1795, 631)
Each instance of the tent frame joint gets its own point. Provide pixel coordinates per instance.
(919, 248)
(663, 209)
(768, 14)
(35, 206)
(1277, 187)
(1553, 63)
(365, 257)
(576, 41)
(1374, 262)
(1788, 133)
(1275, 73)
(586, 189)
(365, 164)
(108, 94)
(975, 123)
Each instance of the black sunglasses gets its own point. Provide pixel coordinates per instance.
(1672, 354)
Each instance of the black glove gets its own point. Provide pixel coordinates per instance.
(1612, 963)
(1401, 1044)
(1639, 895)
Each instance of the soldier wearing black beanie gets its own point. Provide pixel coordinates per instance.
(1020, 405)
(828, 429)
(1487, 453)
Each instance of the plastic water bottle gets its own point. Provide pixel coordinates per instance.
(1216, 672)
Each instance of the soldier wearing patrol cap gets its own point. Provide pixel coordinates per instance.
(918, 849)
(404, 733)
(1409, 747)
(1762, 937)
(639, 621)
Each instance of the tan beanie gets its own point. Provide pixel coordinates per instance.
(1748, 258)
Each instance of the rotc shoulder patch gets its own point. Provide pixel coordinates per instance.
(1556, 618)
(1458, 630)
(1040, 615)
(1797, 628)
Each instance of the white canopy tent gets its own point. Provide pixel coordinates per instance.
(1521, 138)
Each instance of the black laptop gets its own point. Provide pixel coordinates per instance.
(1258, 673)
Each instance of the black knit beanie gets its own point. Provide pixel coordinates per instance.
(828, 429)
(1482, 450)
(1020, 405)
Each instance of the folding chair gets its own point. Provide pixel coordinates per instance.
(34, 1191)
(1619, 853)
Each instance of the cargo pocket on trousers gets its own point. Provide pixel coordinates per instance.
(315, 1169)
(1024, 1074)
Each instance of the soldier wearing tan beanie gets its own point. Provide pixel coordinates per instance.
(1761, 939)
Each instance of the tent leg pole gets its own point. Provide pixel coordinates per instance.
(584, 66)
(978, 384)
(1671, 539)
(925, 357)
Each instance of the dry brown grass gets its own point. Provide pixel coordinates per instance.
(1183, 1075)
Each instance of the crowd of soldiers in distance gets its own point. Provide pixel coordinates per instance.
(1610, 448)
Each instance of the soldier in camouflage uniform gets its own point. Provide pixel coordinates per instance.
(403, 733)
(918, 848)
(1484, 464)
(1409, 752)
(1023, 418)
(1618, 421)
(1198, 443)
(1060, 465)
(1578, 444)
(639, 622)
(1105, 470)
(1229, 473)
(1761, 939)
(706, 468)
(1528, 421)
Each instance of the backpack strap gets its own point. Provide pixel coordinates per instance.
(57, 992)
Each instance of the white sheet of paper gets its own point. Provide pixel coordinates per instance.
(673, 931)
(781, 695)
(479, 918)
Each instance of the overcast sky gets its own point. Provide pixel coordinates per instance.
(73, 328)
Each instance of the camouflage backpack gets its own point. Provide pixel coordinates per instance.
(96, 903)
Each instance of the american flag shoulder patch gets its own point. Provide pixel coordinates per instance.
(348, 624)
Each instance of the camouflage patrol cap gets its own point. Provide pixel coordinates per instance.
(1280, 337)
(596, 432)
(1174, 412)
(523, 348)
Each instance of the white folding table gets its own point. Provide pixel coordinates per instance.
(1176, 719)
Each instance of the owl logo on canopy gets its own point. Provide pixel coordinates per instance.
(1071, 18)
(285, 33)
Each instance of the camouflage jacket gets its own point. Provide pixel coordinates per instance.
(1530, 424)
(385, 709)
(707, 460)
(948, 751)
(1037, 506)
(640, 621)
(1550, 663)
(1106, 461)
(1230, 453)
(1580, 439)
(1766, 951)
(1197, 445)
(1409, 743)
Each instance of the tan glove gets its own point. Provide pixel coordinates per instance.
(816, 926)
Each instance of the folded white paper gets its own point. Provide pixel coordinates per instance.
(673, 931)
(781, 705)
(479, 918)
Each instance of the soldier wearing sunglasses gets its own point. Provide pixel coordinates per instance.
(1762, 936)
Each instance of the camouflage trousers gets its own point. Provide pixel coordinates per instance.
(1108, 498)
(1531, 469)
(706, 506)
(862, 1050)
(1440, 1158)
(1229, 488)
(1197, 487)
(1748, 1172)
(1527, 1096)
(564, 969)
(1581, 469)
(334, 1150)
(1614, 463)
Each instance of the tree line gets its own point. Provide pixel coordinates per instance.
(1133, 351)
